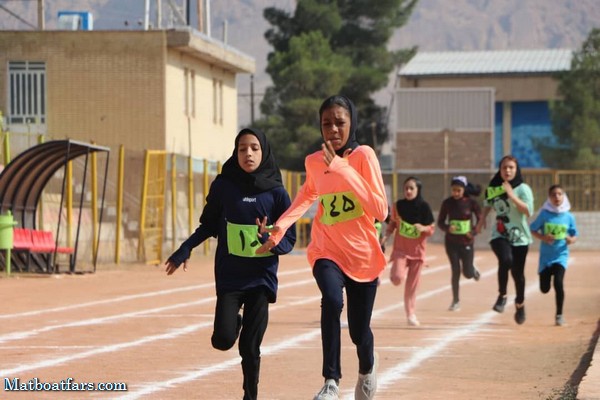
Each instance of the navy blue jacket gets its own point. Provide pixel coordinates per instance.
(227, 203)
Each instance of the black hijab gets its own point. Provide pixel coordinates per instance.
(266, 177)
(342, 101)
(497, 179)
(415, 211)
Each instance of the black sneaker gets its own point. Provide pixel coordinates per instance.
(476, 274)
(500, 303)
(520, 314)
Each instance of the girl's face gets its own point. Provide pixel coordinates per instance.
(508, 170)
(457, 191)
(556, 196)
(335, 126)
(410, 190)
(249, 152)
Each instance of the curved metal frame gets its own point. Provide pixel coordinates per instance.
(23, 180)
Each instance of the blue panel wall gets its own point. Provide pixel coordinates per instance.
(530, 124)
(498, 115)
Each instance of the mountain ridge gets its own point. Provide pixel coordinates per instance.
(435, 25)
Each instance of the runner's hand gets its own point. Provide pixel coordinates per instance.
(329, 152)
(170, 267)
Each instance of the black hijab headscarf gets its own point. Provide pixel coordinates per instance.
(342, 101)
(266, 177)
(415, 211)
(497, 179)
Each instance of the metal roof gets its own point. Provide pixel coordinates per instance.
(488, 62)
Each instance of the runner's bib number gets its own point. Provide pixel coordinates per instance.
(242, 240)
(340, 207)
(408, 230)
(461, 226)
(559, 231)
(494, 191)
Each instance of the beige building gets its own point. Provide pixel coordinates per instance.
(166, 90)
(172, 90)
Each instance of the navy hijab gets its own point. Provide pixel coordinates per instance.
(343, 101)
(266, 177)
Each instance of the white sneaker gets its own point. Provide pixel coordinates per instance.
(413, 321)
(329, 391)
(455, 306)
(366, 386)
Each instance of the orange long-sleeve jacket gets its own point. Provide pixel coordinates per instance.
(351, 196)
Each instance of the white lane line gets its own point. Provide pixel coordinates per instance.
(128, 298)
(203, 371)
(103, 349)
(281, 346)
(400, 371)
(114, 318)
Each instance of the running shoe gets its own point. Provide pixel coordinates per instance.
(560, 321)
(366, 386)
(500, 303)
(329, 391)
(520, 314)
(454, 306)
(476, 274)
(413, 321)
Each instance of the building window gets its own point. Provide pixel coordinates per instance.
(189, 92)
(26, 92)
(217, 101)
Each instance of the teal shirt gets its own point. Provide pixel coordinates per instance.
(511, 224)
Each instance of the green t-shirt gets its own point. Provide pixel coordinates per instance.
(510, 223)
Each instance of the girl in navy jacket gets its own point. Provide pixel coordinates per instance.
(247, 194)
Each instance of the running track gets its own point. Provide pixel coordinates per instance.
(134, 324)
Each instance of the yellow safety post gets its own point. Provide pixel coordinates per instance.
(298, 184)
(173, 200)
(120, 178)
(143, 204)
(5, 141)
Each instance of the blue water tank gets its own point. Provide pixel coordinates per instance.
(75, 20)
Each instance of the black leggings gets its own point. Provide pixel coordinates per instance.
(459, 255)
(253, 327)
(510, 258)
(545, 278)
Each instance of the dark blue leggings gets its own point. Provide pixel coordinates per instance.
(558, 271)
(361, 297)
